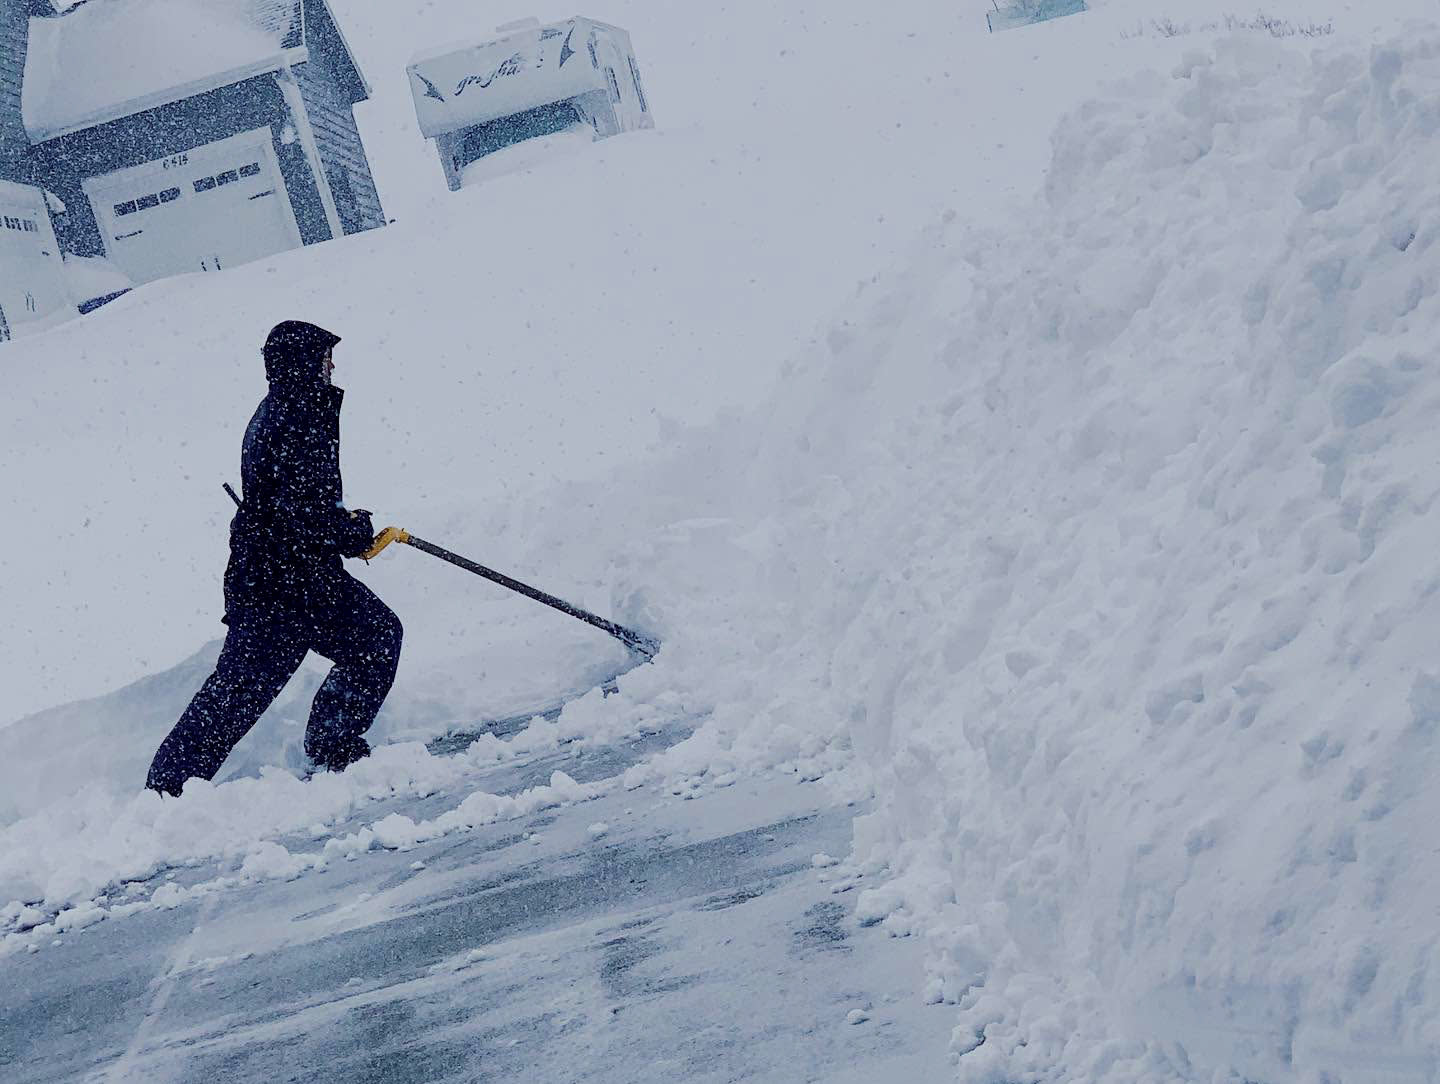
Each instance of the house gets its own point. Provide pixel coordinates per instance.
(576, 80)
(222, 132)
(32, 278)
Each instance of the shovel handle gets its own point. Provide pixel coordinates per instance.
(642, 645)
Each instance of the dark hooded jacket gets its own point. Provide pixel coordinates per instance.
(291, 531)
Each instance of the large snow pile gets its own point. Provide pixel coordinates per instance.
(1100, 548)
(1111, 539)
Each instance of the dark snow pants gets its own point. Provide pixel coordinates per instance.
(264, 648)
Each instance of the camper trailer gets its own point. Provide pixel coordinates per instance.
(489, 106)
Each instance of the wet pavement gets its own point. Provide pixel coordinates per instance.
(686, 940)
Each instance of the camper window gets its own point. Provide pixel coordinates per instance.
(639, 90)
(614, 85)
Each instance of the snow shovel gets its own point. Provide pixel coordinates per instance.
(641, 645)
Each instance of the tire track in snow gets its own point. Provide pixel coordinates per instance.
(125, 1068)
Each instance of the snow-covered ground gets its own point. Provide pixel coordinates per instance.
(1088, 537)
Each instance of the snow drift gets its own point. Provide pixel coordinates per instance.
(1118, 558)
(1101, 550)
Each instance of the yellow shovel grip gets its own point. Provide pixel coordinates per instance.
(384, 538)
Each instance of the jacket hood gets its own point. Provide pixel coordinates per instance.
(295, 352)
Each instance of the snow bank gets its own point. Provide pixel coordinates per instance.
(1098, 548)
(92, 277)
(104, 839)
(1109, 543)
(70, 852)
(398, 832)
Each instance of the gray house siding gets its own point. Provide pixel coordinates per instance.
(156, 133)
(14, 20)
(333, 120)
(330, 88)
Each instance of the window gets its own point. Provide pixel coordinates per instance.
(147, 201)
(639, 90)
(614, 85)
(544, 120)
(252, 170)
(594, 56)
(204, 184)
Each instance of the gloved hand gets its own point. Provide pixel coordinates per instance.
(357, 533)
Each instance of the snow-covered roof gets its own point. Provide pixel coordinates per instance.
(111, 58)
(461, 85)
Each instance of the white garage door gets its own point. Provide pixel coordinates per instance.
(32, 276)
(207, 209)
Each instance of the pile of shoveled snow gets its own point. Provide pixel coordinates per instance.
(93, 856)
(1109, 543)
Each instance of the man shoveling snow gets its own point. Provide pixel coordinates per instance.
(286, 590)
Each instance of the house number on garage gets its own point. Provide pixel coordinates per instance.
(175, 161)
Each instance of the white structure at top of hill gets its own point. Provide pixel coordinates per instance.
(531, 82)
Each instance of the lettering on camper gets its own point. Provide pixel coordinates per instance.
(513, 65)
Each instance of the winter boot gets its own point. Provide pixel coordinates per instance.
(337, 755)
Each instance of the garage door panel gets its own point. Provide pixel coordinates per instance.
(206, 209)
